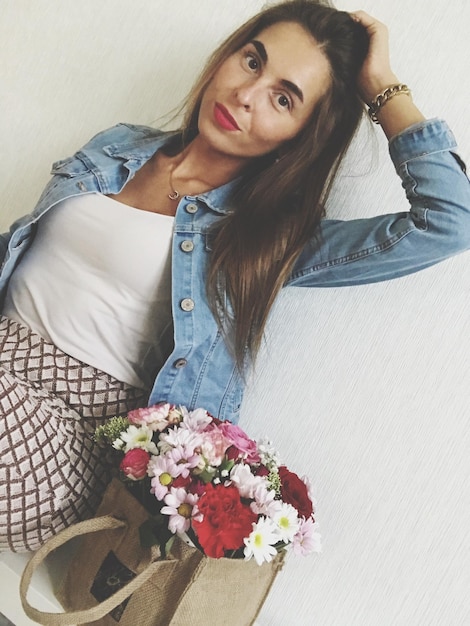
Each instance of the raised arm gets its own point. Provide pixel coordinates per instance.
(436, 227)
(398, 112)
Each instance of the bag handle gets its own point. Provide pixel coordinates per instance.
(106, 522)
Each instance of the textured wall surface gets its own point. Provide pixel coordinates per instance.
(368, 390)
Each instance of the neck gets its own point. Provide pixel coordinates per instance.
(200, 168)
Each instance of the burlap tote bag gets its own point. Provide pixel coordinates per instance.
(113, 581)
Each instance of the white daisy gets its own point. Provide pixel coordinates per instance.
(139, 437)
(286, 521)
(260, 542)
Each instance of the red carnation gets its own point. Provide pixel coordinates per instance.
(294, 491)
(226, 520)
(134, 464)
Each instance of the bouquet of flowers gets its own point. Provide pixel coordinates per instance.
(208, 482)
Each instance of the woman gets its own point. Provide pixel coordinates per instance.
(238, 195)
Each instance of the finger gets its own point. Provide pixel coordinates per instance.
(371, 24)
(365, 19)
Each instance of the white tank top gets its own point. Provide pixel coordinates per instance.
(97, 283)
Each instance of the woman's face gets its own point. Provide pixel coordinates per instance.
(263, 95)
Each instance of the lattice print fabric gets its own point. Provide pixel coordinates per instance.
(51, 472)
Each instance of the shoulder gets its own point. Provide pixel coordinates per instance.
(123, 141)
(123, 133)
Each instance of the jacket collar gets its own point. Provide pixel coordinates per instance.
(138, 151)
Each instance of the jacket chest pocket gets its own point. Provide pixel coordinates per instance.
(71, 176)
(70, 168)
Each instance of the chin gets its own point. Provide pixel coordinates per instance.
(228, 143)
(219, 142)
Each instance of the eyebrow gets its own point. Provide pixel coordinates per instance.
(261, 50)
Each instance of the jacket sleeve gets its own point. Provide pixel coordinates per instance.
(4, 239)
(436, 227)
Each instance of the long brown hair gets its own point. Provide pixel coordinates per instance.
(280, 203)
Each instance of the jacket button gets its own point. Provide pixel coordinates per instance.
(187, 246)
(179, 363)
(187, 304)
(191, 208)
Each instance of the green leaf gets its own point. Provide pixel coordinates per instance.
(226, 465)
(206, 476)
(166, 547)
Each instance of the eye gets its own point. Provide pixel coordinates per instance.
(284, 102)
(252, 61)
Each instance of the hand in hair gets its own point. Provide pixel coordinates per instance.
(376, 74)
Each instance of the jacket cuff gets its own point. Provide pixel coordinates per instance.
(419, 139)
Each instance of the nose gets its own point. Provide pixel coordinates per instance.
(246, 94)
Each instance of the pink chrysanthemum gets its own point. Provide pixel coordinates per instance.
(196, 420)
(163, 471)
(181, 508)
(179, 437)
(307, 539)
(184, 458)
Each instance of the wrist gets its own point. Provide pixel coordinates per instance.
(377, 85)
(398, 114)
(384, 97)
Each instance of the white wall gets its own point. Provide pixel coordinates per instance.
(367, 391)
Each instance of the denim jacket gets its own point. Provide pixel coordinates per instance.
(200, 370)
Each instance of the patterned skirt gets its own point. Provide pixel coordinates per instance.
(52, 474)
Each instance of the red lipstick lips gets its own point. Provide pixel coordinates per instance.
(224, 118)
